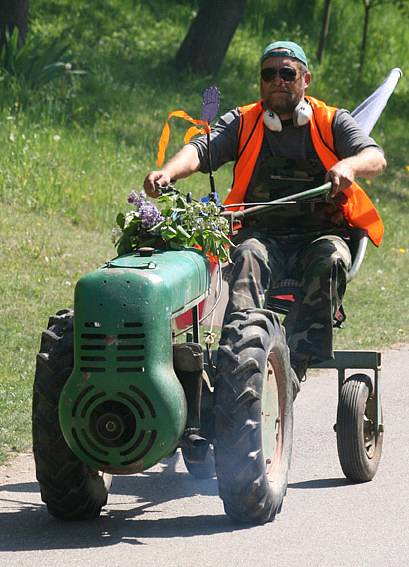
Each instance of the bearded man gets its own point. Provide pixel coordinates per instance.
(283, 144)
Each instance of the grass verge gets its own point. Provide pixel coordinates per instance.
(42, 257)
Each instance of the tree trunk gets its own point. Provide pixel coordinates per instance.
(367, 7)
(13, 14)
(324, 30)
(209, 35)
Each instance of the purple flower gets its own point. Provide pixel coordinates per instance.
(149, 215)
(146, 211)
(136, 199)
(133, 195)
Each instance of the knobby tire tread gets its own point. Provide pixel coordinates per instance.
(248, 494)
(70, 489)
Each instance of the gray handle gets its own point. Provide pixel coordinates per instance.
(316, 192)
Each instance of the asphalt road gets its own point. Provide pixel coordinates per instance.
(166, 518)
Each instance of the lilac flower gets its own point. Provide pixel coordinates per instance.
(133, 195)
(145, 211)
(140, 200)
(149, 215)
(136, 199)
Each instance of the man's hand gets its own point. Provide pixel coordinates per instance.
(183, 164)
(341, 176)
(368, 163)
(153, 180)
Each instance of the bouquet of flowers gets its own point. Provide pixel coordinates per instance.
(180, 223)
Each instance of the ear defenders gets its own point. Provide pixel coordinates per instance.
(301, 116)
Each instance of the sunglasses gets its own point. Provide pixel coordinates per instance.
(288, 74)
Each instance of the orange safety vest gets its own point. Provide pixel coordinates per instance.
(358, 209)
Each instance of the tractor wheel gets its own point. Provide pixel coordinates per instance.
(253, 416)
(359, 449)
(71, 490)
(200, 468)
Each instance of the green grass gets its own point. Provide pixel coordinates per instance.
(42, 257)
(72, 151)
(377, 301)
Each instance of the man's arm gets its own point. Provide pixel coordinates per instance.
(368, 163)
(194, 156)
(183, 164)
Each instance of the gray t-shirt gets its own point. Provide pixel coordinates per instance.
(287, 164)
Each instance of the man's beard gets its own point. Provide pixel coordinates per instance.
(282, 104)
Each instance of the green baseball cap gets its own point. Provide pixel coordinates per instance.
(287, 49)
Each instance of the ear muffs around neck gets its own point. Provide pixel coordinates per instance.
(301, 116)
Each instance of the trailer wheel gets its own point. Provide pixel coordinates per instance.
(71, 490)
(359, 448)
(253, 416)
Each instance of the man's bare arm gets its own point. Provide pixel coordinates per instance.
(183, 164)
(368, 164)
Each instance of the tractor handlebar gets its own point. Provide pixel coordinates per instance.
(255, 208)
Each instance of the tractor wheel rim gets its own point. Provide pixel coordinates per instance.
(369, 428)
(271, 419)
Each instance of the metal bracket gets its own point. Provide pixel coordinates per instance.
(352, 360)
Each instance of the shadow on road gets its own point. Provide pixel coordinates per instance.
(26, 525)
(321, 483)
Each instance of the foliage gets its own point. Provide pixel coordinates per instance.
(182, 222)
(36, 62)
(138, 227)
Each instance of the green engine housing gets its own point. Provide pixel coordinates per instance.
(123, 409)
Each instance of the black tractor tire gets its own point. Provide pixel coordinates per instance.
(253, 416)
(201, 469)
(71, 490)
(359, 449)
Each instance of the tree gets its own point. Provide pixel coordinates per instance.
(368, 5)
(209, 35)
(324, 30)
(13, 14)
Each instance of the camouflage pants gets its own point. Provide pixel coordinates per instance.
(320, 265)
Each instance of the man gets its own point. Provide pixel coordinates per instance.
(284, 144)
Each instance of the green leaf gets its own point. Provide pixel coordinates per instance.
(183, 232)
(35, 62)
(169, 232)
(120, 220)
(226, 240)
(124, 245)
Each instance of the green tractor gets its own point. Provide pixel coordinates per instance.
(116, 392)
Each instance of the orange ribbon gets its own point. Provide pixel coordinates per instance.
(192, 131)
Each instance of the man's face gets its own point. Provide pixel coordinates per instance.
(281, 95)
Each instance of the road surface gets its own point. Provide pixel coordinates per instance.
(165, 518)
